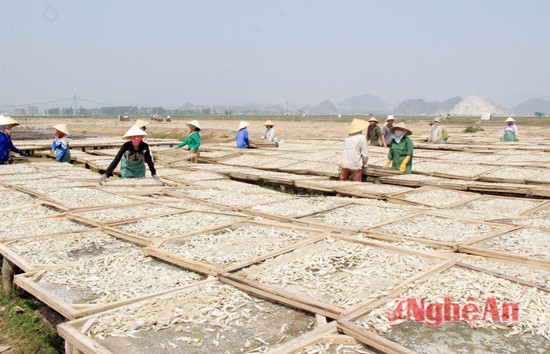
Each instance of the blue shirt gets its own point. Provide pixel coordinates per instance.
(5, 145)
(61, 143)
(242, 138)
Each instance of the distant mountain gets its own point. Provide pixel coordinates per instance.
(366, 100)
(456, 106)
(325, 107)
(531, 106)
(477, 105)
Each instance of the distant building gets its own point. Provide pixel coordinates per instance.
(20, 111)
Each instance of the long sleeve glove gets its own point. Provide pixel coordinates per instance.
(403, 166)
(387, 165)
(24, 154)
(156, 177)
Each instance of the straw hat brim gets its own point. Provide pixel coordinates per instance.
(401, 126)
(62, 128)
(269, 123)
(134, 131)
(373, 120)
(357, 125)
(510, 119)
(6, 120)
(141, 123)
(193, 123)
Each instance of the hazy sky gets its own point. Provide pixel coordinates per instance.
(168, 53)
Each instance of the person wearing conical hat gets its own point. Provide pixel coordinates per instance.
(132, 156)
(242, 136)
(401, 149)
(356, 151)
(270, 134)
(436, 136)
(193, 140)
(6, 145)
(60, 145)
(387, 135)
(510, 130)
(374, 133)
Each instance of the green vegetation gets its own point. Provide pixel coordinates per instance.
(472, 129)
(23, 329)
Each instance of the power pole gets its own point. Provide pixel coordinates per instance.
(75, 111)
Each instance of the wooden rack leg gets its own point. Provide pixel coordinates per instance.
(7, 275)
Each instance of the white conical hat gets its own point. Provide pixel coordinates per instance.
(193, 123)
(5, 120)
(510, 119)
(243, 124)
(62, 128)
(140, 123)
(134, 131)
(357, 125)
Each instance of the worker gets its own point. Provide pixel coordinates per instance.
(133, 153)
(387, 135)
(193, 140)
(6, 145)
(142, 124)
(355, 152)
(436, 136)
(401, 149)
(374, 133)
(270, 134)
(242, 135)
(60, 145)
(510, 130)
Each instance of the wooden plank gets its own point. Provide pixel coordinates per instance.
(495, 233)
(372, 339)
(309, 338)
(537, 262)
(504, 276)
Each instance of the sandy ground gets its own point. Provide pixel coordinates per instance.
(222, 129)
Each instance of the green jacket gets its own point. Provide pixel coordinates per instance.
(398, 152)
(193, 141)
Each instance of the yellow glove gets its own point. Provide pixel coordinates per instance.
(403, 166)
(387, 165)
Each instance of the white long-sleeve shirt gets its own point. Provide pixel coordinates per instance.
(355, 151)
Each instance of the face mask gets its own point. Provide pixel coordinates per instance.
(136, 140)
(399, 133)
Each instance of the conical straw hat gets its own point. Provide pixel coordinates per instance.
(243, 124)
(268, 122)
(373, 120)
(140, 123)
(4, 120)
(357, 125)
(510, 119)
(194, 123)
(134, 131)
(402, 126)
(62, 128)
(436, 120)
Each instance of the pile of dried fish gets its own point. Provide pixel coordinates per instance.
(463, 170)
(206, 317)
(361, 215)
(436, 197)
(12, 198)
(117, 276)
(241, 187)
(338, 272)
(459, 285)
(45, 250)
(238, 199)
(535, 174)
(175, 225)
(438, 228)
(535, 275)
(233, 245)
(297, 206)
(30, 212)
(497, 206)
(331, 347)
(126, 212)
(81, 197)
(17, 168)
(15, 229)
(524, 242)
